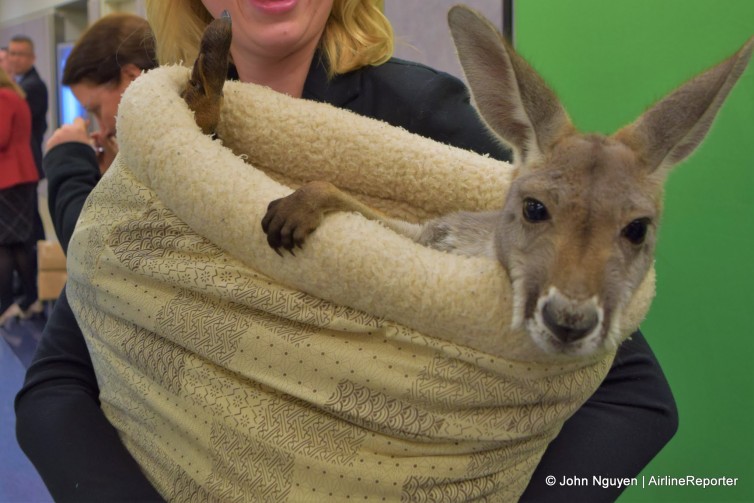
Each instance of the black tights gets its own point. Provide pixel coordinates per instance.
(17, 257)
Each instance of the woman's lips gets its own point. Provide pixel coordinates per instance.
(274, 6)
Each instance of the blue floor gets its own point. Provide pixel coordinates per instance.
(19, 482)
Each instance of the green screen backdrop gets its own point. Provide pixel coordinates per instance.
(608, 60)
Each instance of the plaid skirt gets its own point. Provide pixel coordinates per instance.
(17, 213)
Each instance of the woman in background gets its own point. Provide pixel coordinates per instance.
(337, 52)
(110, 55)
(18, 185)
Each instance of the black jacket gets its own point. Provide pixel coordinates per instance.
(78, 453)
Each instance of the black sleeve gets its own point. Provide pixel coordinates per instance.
(61, 428)
(72, 172)
(59, 423)
(426, 102)
(448, 117)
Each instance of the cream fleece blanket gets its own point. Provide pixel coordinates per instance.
(233, 374)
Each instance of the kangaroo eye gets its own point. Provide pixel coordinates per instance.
(636, 231)
(535, 211)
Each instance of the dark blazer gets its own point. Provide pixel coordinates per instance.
(58, 416)
(38, 100)
(412, 96)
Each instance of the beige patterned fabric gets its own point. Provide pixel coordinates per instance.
(365, 368)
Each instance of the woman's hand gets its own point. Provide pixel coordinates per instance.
(74, 132)
(105, 146)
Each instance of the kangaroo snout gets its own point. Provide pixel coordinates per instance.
(569, 320)
(564, 325)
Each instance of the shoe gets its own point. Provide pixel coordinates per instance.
(36, 308)
(12, 312)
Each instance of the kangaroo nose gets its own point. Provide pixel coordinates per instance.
(569, 323)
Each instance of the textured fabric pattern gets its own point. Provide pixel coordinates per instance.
(228, 382)
(17, 213)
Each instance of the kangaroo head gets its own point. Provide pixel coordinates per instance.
(579, 224)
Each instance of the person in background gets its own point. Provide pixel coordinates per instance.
(110, 55)
(18, 181)
(74, 162)
(337, 52)
(22, 57)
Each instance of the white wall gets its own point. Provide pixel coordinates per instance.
(15, 9)
(422, 33)
(12, 11)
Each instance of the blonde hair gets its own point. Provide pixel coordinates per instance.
(7, 81)
(357, 32)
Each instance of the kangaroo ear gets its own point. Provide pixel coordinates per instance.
(671, 130)
(510, 96)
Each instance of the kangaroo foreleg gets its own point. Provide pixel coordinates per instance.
(291, 219)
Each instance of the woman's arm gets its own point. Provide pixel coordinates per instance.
(61, 427)
(59, 423)
(72, 172)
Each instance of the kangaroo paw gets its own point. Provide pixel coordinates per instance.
(204, 90)
(290, 220)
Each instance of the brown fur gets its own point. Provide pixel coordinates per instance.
(204, 89)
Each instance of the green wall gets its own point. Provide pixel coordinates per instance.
(608, 60)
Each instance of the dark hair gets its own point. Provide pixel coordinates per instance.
(106, 46)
